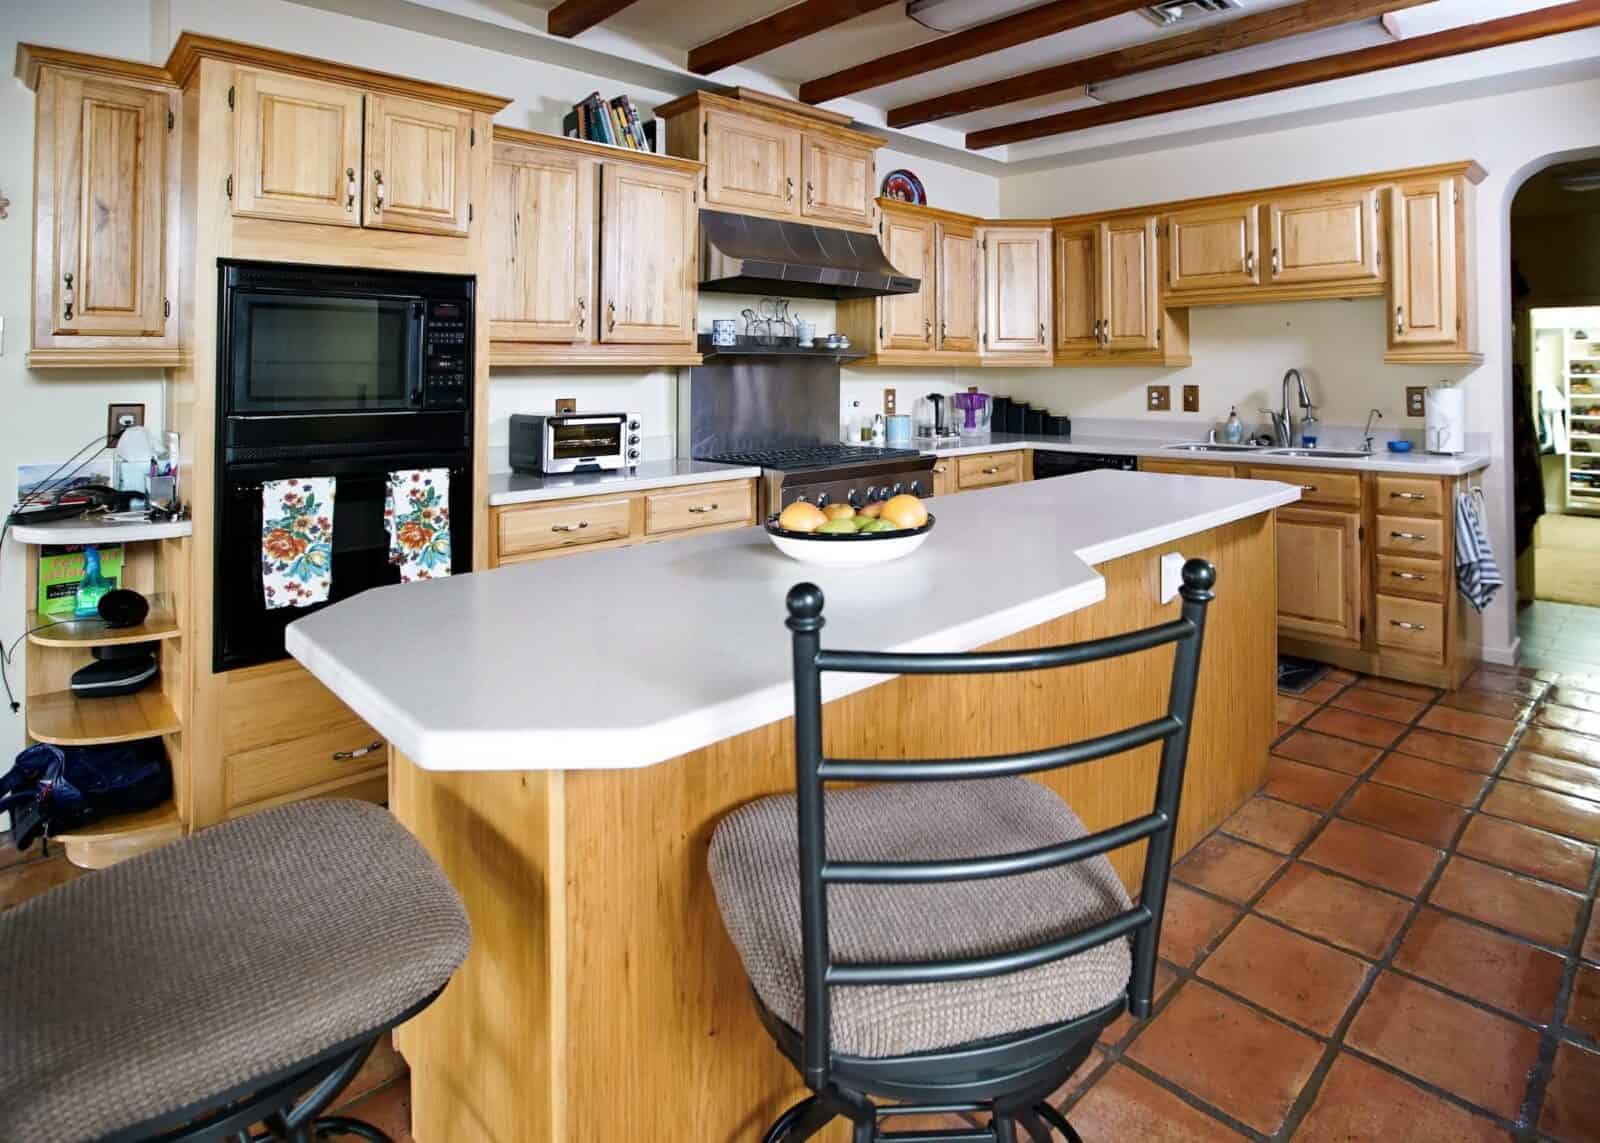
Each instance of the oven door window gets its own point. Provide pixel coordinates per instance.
(578, 440)
(293, 353)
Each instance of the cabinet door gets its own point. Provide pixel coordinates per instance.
(956, 281)
(1319, 573)
(751, 164)
(1332, 236)
(541, 228)
(1212, 248)
(1078, 289)
(1131, 306)
(838, 181)
(1016, 282)
(298, 152)
(648, 228)
(1422, 245)
(419, 176)
(109, 186)
(906, 320)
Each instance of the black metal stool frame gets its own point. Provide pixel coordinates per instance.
(1009, 1078)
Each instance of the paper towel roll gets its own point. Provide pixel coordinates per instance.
(1445, 427)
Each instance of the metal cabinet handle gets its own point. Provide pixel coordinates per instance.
(1401, 623)
(699, 508)
(1399, 319)
(1408, 495)
(1308, 488)
(1041, 333)
(583, 313)
(346, 755)
(67, 296)
(788, 195)
(944, 330)
(811, 194)
(1408, 535)
(940, 470)
(578, 527)
(1277, 265)
(377, 190)
(991, 470)
(1408, 575)
(927, 329)
(1250, 262)
(350, 189)
(611, 316)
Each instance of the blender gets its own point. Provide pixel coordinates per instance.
(935, 420)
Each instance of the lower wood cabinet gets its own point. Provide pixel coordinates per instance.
(699, 507)
(989, 469)
(1319, 573)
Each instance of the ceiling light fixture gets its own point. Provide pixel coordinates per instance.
(957, 15)
(1170, 12)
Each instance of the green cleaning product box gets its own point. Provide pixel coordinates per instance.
(61, 570)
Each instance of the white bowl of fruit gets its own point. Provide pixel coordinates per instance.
(841, 536)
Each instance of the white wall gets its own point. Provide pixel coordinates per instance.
(1511, 134)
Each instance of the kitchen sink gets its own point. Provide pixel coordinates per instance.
(1205, 447)
(1325, 453)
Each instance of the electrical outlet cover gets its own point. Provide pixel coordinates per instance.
(888, 402)
(1416, 400)
(1159, 399)
(116, 414)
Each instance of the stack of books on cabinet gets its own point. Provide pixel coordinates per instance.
(616, 123)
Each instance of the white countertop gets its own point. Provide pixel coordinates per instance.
(525, 488)
(1415, 463)
(97, 530)
(627, 657)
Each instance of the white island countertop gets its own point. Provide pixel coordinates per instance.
(628, 657)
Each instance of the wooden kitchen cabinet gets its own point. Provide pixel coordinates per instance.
(838, 180)
(1430, 244)
(906, 321)
(1108, 305)
(105, 212)
(1077, 289)
(649, 227)
(1320, 573)
(417, 170)
(989, 469)
(298, 148)
(1130, 309)
(1330, 236)
(1016, 291)
(541, 251)
(956, 286)
(751, 163)
(943, 476)
(1212, 248)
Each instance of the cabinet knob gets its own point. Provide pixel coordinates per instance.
(377, 191)
(347, 755)
(349, 189)
(578, 527)
(67, 296)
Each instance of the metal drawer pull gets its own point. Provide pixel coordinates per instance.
(811, 194)
(377, 190)
(611, 316)
(939, 469)
(67, 297)
(991, 470)
(1408, 495)
(1277, 264)
(350, 189)
(1408, 575)
(346, 755)
(583, 312)
(1250, 263)
(1308, 488)
(1401, 623)
(1041, 333)
(1399, 319)
(581, 524)
(698, 508)
(788, 194)
(1408, 535)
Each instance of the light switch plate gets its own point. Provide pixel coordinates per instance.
(1159, 399)
(888, 402)
(1416, 400)
(1171, 575)
(1191, 398)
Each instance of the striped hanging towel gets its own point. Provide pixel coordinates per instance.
(1477, 575)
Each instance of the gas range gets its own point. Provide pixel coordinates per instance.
(833, 473)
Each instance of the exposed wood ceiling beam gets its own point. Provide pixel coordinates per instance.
(1244, 32)
(570, 17)
(1474, 37)
(996, 35)
(785, 27)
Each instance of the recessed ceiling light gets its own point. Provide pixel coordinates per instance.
(1170, 12)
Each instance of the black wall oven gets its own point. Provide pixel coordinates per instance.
(330, 372)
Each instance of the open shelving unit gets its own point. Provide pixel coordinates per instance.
(1582, 389)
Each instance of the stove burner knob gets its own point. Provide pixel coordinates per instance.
(916, 488)
(822, 500)
(874, 493)
(633, 426)
(633, 439)
(853, 498)
(633, 454)
(899, 488)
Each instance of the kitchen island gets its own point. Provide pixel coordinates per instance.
(566, 735)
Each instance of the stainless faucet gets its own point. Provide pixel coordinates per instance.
(1367, 432)
(1283, 421)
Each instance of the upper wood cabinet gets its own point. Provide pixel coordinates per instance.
(906, 321)
(1016, 290)
(542, 244)
(649, 228)
(769, 156)
(1108, 295)
(1130, 311)
(308, 150)
(1077, 288)
(1429, 289)
(1326, 236)
(105, 212)
(1212, 248)
(956, 287)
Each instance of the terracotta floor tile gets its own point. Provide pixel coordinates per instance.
(1370, 855)
(1190, 924)
(1409, 815)
(1560, 774)
(1500, 971)
(1502, 682)
(1583, 1011)
(1446, 783)
(1283, 728)
(1524, 849)
(1482, 702)
(1483, 1058)
(1416, 692)
(1292, 710)
(25, 882)
(1075, 1082)
(1565, 718)
(1341, 912)
(382, 1066)
(388, 1109)
(1329, 753)
(1166, 977)
(1357, 727)
(1276, 825)
(1341, 676)
(1562, 744)
(1287, 974)
(1322, 690)
(1124, 1105)
(1483, 727)
(1378, 704)
(1571, 1111)
(1228, 868)
(1544, 913)
(1574, 699)
(1361, 1103)
(1451, 750)
(1546, 809)
(1304, 785)
(1255, 1079)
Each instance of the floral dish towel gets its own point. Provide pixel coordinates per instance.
(417, 512)
(297, 541)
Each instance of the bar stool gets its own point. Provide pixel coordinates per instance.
(240, 976)
(939, 976)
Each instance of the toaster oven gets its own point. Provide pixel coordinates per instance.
(574, 442)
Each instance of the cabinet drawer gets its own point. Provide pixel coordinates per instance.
(568, 524)
(1185, 467)
(1317, 485)
(1405, 575)
(701, 506)
(276, 703)
(1410, 536)
(1413, 625)
(987, 469)
(1411, 496)
(352, 747)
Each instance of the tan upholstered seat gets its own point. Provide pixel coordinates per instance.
(755, 870)
(241, 952)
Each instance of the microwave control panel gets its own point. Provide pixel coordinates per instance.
(447, 340)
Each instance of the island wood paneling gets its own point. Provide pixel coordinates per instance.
(602, 1000)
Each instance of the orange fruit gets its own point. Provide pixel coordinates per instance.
(801, 517)
(905, 511)
(839, 512)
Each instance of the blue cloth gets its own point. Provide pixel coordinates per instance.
(1478, 577)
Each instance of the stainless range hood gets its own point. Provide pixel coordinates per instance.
(741, 254)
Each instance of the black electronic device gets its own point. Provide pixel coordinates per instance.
(123, 607)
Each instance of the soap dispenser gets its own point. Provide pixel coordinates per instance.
(1233, 428)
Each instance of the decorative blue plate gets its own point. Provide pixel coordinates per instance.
(904, 186)
(1399, 446)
